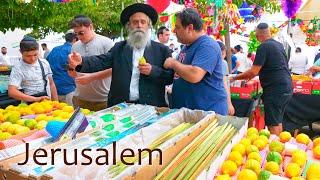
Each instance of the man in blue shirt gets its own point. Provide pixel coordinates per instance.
(58, 59)
(198, 82)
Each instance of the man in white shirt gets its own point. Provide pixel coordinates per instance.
(298, 63)
(91, 89)
(4, 58)
(138, 75)
(242, 59)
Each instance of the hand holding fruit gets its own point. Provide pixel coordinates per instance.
(144, 67)
(41, 98)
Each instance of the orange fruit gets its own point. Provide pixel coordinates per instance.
(273, 167)
(303, 139)
(247, 174)
(285, 136)
(292, 170)
(229, 167)
(240, 148)
(316, 152)
(236, 157)
(254, 165)
(313, 171)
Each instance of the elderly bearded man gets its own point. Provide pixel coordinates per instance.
(132, 81)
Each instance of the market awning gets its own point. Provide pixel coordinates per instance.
(309, 10)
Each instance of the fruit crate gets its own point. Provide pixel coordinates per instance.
(173, 147)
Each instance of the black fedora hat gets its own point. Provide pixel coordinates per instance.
(139, 7)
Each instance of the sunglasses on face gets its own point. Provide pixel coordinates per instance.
(81, 33)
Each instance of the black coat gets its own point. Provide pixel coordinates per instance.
(119, 58)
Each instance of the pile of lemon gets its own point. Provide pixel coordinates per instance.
(246, 156)
(13, 119)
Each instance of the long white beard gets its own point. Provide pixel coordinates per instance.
(139, 39)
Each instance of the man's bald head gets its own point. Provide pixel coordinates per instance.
(263, 32)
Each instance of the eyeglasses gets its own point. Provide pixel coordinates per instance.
(81, 33)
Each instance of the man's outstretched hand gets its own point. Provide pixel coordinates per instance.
(75, 59)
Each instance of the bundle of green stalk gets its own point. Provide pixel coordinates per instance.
(199, 154)
(120, 167)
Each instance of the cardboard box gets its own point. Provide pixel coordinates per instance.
(177, 145)
(245, 90)
(302, 87)
(316, 87)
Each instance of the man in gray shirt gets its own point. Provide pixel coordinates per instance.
(92, 89)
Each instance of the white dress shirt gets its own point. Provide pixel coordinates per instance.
(134, 83)
(298, 63)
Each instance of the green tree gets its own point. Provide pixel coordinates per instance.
(44, 17)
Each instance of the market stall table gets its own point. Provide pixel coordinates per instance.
(302, 110)
(244, 107)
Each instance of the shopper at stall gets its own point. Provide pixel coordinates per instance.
(58, 59)
(163, 35)
(32, 75)
(4, 58)
(272, 67)
(244, 62)
(315, 69)
(91, 89)
(46, 50)
(298, 63)
(225, 72)
(199, 81)
(134, 79)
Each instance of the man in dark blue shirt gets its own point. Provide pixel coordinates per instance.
(198, 82)
(272, 66)
(58, 59)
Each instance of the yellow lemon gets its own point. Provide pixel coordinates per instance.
(303, 139)
(313, 171)
(240, 148)
(252, 130)
(68, 109)
(284, 136)
(41, 117)
(229, 167)
(245, 141)
(223, 177)
(273, 167)
(254, 165)
(247, 174)
(56, 113)
(251, 148)
(260, 144)
(299, 157)
(255, 156)
(316, 142)
(236, 157)
(292, 170)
